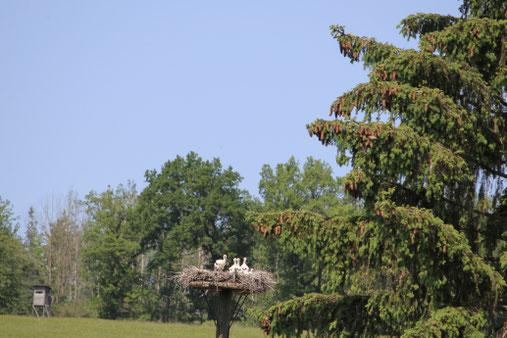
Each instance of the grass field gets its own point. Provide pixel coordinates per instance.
(18, 326)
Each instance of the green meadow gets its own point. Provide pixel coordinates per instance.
(18, 326)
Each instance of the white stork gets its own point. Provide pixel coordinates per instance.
(220, 263)
(235, 266)
(244, 267)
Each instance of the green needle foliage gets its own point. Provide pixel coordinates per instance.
(312, 187)
(426, 139)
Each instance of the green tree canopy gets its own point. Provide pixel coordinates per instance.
(111, 248)
(193, 204)
(426, 139)
(191, 213)
(13, 263)
(313, 188)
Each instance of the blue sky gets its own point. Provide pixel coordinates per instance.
(94, 93)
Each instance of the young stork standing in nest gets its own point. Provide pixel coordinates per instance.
(235, 266)
(220, 263)
(244, 267)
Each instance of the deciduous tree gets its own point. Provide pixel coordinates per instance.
(62, 237)
(110, 249)
(190, 208)
(192, 204)
(13, 263)
(35, 248)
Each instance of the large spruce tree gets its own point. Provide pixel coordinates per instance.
(426, 140)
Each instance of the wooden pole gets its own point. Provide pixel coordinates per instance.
(224, 313)
(35, 309)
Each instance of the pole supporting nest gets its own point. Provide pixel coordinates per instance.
(226, 311)
(224, 285)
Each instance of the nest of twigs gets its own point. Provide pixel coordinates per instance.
(251, 282)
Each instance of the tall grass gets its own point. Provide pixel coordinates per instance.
(18, 326)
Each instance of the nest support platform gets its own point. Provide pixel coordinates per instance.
(224, 284)
(224, 310)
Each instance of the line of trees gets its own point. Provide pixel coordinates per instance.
(113, 253)
(416, 247)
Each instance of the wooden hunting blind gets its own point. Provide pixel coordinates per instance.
(41, 300)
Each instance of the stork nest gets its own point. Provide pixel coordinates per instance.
(252, 282)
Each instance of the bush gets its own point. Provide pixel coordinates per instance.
(80, 309)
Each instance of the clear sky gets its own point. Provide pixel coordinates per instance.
(94, 93)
